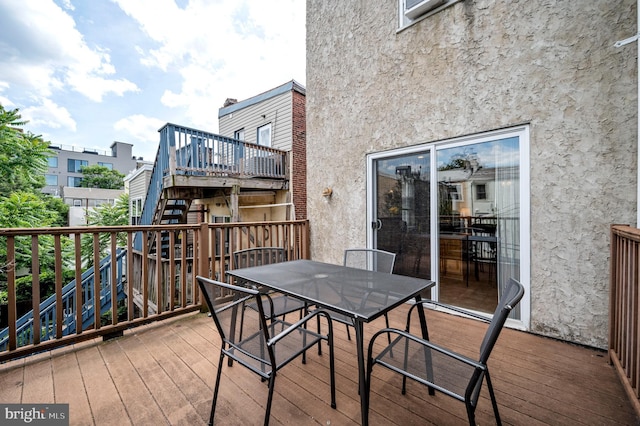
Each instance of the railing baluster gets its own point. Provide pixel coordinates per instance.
(624, 307)
(59, 318)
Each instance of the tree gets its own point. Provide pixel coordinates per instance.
(105, 215)
(101, 177)
(23, 156)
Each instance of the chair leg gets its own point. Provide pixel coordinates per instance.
(272, 382)
(493, 399)
(332, 367)
(319, 342)
(216, 388)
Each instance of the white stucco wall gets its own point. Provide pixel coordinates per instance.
(477, 66)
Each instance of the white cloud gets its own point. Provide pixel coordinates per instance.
(144, 130)
(55, 57)
(221, 49)
(47, 113)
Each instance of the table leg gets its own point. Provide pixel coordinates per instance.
(425, 336)
(364, 403)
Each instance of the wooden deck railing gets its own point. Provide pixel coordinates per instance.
(151, 284)
(624, 309)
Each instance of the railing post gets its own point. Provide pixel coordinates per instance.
(203, 251)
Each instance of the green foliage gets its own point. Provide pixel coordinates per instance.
(24, 286)
(105, 215)
(23, 156)
(25, 210)
(101, 177)
(55, 204)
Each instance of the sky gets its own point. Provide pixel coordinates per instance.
(86, 73)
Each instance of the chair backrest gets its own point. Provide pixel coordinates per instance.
(370, 259)
(225, 302)
(509, 299)
(258, 256)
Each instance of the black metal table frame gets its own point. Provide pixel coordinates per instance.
(300, 278)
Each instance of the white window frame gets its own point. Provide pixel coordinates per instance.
(260, 135)
(522, 132)
(405, 21)
(239, 134)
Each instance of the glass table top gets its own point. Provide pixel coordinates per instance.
(361, 294)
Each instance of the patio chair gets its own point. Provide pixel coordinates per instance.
(371, 260)
(440, 368)
(276, 304)
(262, 350)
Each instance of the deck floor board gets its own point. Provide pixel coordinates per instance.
(164, 373)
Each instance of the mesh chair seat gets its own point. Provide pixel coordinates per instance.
(278, 304)
(253, 352)
(370, 260)
(262, 346)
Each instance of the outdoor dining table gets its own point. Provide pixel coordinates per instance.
(359, 294)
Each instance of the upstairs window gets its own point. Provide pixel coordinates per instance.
(53, 162)
(51, 180)
(74, 182)
(264, 135)
(239, 134)
(107, 165)
(481, 191)
(411, 11)
(75, 166)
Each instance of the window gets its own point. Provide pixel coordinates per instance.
(107, 165)
(75, 166)
(455, 192)
(77, 203)
(481, 191)
(448, 242)
(51, 180)
(239, 134)
(75, 182)
(53, 162)
(264, 135)
(136, 210)
(411, 11)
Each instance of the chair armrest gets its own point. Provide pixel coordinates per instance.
(426, 343)
(299, 323)
(446, 306)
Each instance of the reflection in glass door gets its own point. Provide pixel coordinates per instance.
(478, 221)
(402, 214)
(467, 192)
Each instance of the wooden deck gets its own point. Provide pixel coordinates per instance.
(164, 374)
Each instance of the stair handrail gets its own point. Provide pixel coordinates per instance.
(24, 325)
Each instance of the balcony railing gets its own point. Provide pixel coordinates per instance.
(624, 309)
(150, 286)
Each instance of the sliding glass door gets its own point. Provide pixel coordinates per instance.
(456, 212)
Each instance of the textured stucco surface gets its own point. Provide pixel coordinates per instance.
(477, 66)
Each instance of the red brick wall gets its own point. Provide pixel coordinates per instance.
(299, 156)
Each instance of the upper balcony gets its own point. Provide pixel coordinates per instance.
(194, 158)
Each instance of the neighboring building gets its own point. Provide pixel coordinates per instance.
(65, 168)
(80, 200)
(275, 119)
(136, 185)
(254, 171)
(518, 119)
